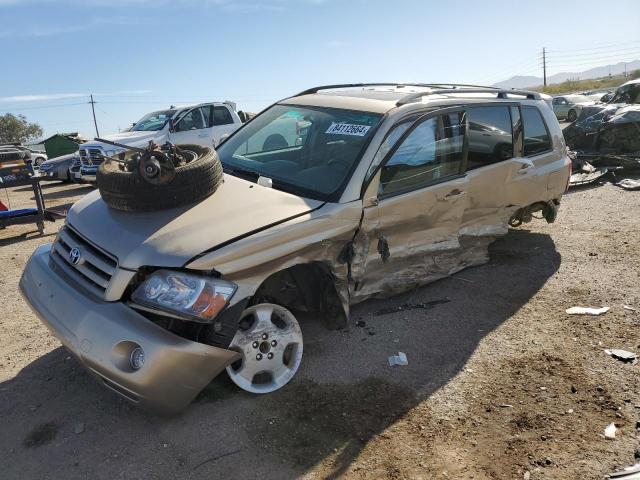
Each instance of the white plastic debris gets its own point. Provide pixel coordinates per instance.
(629, 184)
(623, 355)
(629, 473)
(630, 308)
(399, 359)
(610, 431)
(586, 310)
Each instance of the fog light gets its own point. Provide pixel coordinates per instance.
(137, 358)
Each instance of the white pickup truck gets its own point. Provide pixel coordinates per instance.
(203, 124)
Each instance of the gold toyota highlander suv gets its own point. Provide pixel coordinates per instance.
(332, 196)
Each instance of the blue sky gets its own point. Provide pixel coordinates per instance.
(136, 56)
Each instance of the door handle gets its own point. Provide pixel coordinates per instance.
(525, 167)
(454, 194)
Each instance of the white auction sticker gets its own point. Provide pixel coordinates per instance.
(348, 129)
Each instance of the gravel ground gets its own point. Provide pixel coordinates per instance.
(500, 380)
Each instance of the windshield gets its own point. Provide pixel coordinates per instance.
(152, 122)
(579, 99)
(309, 151)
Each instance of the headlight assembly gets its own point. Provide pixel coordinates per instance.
(189, 296)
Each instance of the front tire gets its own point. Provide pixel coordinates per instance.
(572, 116)
(270, 342)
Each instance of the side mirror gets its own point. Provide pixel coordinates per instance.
(172, 125)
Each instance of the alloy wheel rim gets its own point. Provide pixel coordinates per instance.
(270, 342)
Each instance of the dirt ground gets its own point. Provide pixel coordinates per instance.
(500, 381)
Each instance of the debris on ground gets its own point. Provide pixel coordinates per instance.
(361, 323)
(582, 172)
(622, 355)
(630, 308)
(79, 428)
(586, 311)
(629, 473)
(399, 359)
(412, 306)
(629, 184)
(610, 431)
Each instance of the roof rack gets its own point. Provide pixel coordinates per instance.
(389, 84)
(437, 88)
(440, 91)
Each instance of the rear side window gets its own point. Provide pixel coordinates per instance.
(536, 135)
(221, 116)
(490, 136)
(431, 152)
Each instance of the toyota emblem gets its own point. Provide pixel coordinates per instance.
(74, 256)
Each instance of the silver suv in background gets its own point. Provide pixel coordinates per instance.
(330, 197)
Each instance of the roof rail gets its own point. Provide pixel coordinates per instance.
(388, 84)
(438, 91)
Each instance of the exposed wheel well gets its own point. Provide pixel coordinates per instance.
(309, 287)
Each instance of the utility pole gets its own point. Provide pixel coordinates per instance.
(544, 65)
(92, 102)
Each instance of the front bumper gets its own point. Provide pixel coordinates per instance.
(88, 174)
(103, 334)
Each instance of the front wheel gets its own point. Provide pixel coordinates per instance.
(270, 342)
(572, 115)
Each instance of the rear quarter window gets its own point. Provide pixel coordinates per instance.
(536, 135)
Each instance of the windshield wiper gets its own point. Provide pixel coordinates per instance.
(241, 172)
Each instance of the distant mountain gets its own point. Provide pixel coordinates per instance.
(597, 72)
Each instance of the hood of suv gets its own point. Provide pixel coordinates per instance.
(169, 238)
(127, 138)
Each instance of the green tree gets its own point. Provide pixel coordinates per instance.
(17, 129)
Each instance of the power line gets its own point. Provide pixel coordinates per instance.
(597, 54)
(596, 48)
(39, 107)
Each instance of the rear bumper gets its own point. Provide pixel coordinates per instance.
(103, 334)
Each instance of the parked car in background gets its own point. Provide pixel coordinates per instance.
(598, 95)
(203, 124)
(627, 92)
(607, 97)
(37, 157)
(569, 106)
(363, 191)
(15, 165)
(74, 170)
(58, 168)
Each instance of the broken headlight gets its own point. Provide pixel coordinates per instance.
(188, 296)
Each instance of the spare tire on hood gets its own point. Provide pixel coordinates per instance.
(193, 182)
